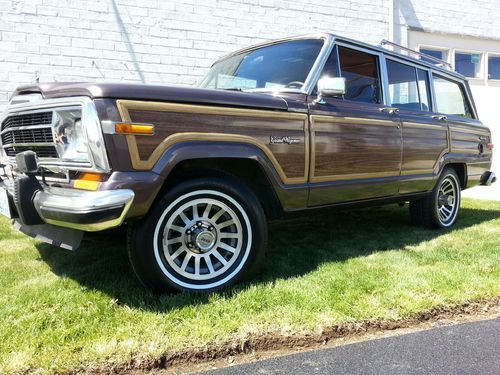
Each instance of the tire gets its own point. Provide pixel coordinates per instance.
(440, 208)
(178, 247)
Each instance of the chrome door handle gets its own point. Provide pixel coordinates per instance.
(390, 110)
(440, 117)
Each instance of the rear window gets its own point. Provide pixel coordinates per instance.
(408, 86)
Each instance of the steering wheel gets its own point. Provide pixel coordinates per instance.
(298, 84)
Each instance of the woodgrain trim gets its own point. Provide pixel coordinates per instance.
(125, 105)
(351, 120)
(460, 129)
(418, 125)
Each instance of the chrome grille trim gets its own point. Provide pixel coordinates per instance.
(50, 160)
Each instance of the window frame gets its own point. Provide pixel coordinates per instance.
(415, 68)
(463, 88)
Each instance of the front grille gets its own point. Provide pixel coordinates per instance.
(37, 135)
(29, 131)
(29, 119)
(41, 151)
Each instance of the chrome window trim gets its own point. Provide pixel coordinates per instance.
(98, 160)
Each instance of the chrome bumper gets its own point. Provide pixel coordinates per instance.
(83, 210)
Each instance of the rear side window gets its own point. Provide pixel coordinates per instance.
(450, 98)
(408, 86)
(404, 87)
(362, 76)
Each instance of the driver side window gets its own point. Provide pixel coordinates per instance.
(360, 70)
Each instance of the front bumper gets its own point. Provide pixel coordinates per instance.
(83, 210)
(69, 208)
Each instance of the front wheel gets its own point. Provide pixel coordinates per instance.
(203, 235)
(440, 208)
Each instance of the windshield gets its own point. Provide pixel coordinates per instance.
(278, 66)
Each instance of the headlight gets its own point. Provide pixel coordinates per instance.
(70, 135)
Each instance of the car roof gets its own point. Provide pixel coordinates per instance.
(368, 46)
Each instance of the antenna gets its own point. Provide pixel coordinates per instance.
(420, 55)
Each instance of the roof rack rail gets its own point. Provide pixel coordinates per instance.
(420, 55)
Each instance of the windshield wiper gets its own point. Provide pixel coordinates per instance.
(233, 89)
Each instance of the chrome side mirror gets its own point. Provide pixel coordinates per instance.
(328, 87)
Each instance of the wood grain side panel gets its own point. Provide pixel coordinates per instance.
(176, 122)
(343, 145)
(422, 148)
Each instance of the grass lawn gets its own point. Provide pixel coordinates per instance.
(62, 310)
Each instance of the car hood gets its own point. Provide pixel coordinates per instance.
(156, 93)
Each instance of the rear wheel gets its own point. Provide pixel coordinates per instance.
(440, 208)
(204, 235)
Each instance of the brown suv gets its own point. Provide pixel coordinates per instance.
(285, 126)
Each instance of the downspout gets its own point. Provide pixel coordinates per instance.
(390, 4)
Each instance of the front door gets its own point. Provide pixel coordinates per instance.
(355, 139)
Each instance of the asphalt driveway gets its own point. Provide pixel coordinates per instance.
(470, 348)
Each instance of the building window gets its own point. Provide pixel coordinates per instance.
(468, 64)
(494, 67)
(438, 54)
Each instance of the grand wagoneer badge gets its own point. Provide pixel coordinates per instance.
(275, 140)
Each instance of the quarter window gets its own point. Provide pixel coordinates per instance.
(408, 86)
(450, 98)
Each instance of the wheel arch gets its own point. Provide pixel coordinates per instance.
(244, 162)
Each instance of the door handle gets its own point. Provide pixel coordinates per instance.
(390, 110)
(440, 117)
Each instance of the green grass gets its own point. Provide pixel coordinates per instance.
(62, 310)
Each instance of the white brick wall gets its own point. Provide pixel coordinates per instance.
(476, 18)
(175, 41)
(158, 41)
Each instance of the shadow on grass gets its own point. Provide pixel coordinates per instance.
(296, 247)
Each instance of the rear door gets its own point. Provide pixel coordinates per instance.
(425, 138)
(355, 139)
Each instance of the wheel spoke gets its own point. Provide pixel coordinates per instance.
(229, 235)
(186, 261)
(210, 266)
(219, 257)
(207, 211)
(226, 247)
(197, 265)
(178, 252)
(184, 218)
(218, 215)
(195, 212)
(173, 241)
(226, 223)
(176, 228)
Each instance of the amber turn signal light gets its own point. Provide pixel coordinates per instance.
(129, 128)
(88, 181)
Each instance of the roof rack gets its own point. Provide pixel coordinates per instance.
(420, 55)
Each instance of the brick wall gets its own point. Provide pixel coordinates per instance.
(476, 18)
(158, 41)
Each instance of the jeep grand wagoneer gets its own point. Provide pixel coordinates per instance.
(290, 125)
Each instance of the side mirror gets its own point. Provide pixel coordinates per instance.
(331, 86)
